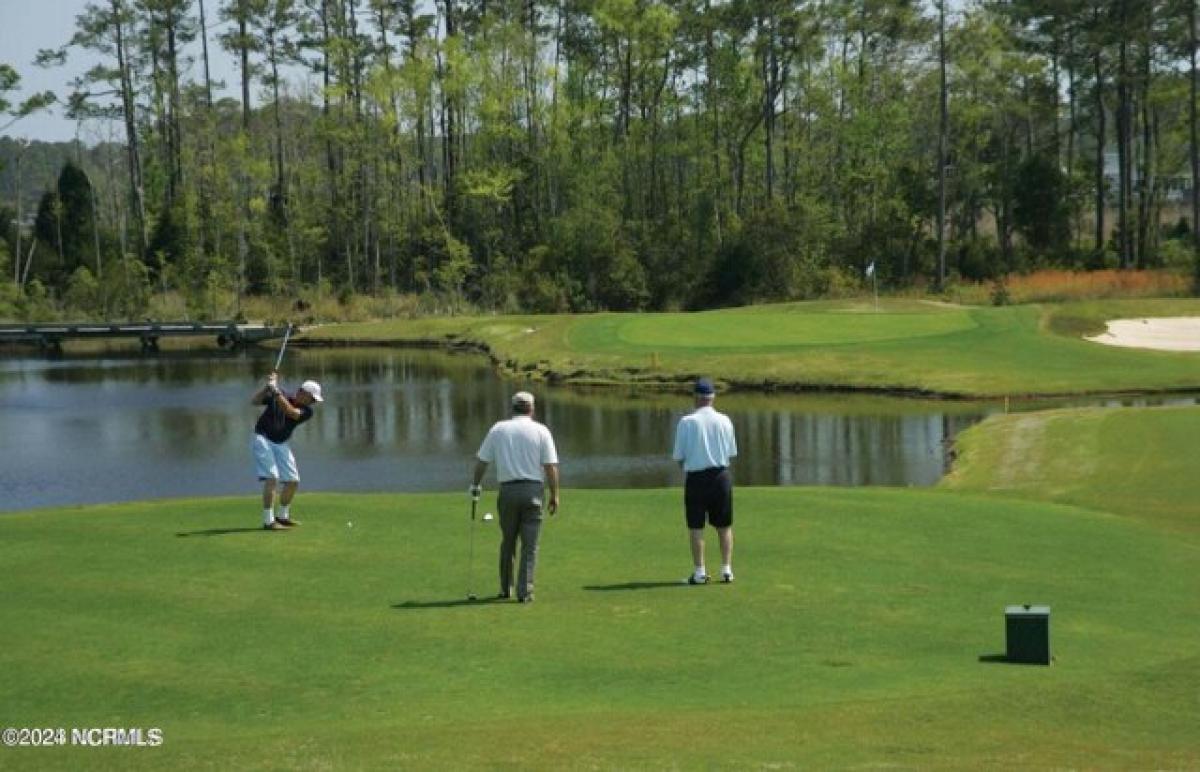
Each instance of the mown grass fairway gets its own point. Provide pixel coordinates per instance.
(1137, 462)
(852, 636)
(905, 345)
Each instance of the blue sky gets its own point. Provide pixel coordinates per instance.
(29, 25)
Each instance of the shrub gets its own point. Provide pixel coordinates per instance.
(1176, 254)
(84, 296)
(1000, 295)
(1058, 285)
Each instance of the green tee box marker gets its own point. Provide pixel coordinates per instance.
(1027, 634)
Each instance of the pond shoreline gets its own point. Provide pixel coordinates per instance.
(668, 382)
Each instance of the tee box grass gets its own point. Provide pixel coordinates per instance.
(852, 637)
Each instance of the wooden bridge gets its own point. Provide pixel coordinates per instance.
(51, 336)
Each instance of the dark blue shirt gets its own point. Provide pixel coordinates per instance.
(274, 423)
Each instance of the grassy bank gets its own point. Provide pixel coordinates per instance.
(1136, 462)
(852, 636)
(904, 346)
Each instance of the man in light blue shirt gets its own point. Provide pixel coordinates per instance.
(704, 444)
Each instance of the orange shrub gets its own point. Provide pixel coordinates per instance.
(1055, 285)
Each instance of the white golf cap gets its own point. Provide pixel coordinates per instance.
(313, 388)
(522, 398)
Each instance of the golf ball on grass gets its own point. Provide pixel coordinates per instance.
(487, 515)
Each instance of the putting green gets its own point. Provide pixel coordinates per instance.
(751, 331)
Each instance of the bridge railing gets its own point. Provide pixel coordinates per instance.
(52, 334)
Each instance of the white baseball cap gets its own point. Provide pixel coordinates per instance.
(314, 389)
(522, 398)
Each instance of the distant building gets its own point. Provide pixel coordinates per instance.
(1176, 187)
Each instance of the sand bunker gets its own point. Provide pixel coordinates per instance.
(1180, 333)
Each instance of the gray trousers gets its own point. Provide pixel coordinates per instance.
(520, 515)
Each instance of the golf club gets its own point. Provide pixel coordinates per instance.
(279, 359)
(471, 548)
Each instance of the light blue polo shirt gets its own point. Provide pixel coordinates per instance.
(704, 439)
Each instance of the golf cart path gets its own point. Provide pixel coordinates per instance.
(1178, 333)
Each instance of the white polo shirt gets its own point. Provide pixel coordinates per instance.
(704, 439)
(518, 447)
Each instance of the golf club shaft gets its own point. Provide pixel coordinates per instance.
(471, 548)
(279, 359)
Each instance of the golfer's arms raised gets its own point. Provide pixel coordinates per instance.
(552, 479)
(260, 396)
(291, 410)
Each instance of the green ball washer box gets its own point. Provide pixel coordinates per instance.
(1027, 634)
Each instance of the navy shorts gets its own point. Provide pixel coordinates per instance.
(709, 493)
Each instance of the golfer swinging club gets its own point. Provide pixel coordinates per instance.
(525, 459)
(704, 443)
(273, 459)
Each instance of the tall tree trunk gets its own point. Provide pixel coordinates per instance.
(210, 241)
(537, 171)
(395, 191)
(58, 239)
(551, 180)
(769, 75)
(449, 127)
(1055, 81)
(331, 158)
(21, 219)
(714, 110)
(273, 53)
(174, 108)
(1146, 190)
(204, 48)
(1028, 122)
(131, 135)
(407, 10)
(361, 132)
(95, 227)
(657, 201)
(943, 131)
(1003, 208)
(1123, 159)
(1100, 140)
(385, 53)
(244, 56)
(1194, 133)
(1072, 98)
(160, 122)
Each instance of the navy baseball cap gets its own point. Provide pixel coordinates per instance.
(704, 387)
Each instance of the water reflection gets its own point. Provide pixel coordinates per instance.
(113, 428)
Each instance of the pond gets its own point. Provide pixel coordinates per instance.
(118, 427)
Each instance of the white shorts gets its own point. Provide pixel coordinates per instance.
(273, 461)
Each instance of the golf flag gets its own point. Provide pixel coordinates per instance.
(871, 269)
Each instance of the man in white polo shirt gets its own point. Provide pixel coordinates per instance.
(526, 460)
(704, 444)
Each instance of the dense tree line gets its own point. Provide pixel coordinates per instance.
(616, 154)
